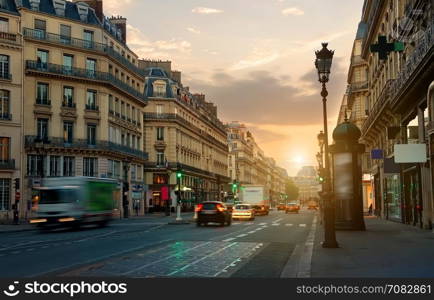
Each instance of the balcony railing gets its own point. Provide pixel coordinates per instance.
(92, 107)
(69, 105)
(30, 141)
(8, 36)
(43, 102)
(84, 73)
(5, 76)
(359, 86)
(176, 117)
(82, 44)
(7, 164)
(5, 116)
(423, 47)
(378, 105)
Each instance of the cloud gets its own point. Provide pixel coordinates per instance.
(161, 49)
(294, 11)
(193, 30)
(258, 57)
(206, 10)
(263, 97)
(115, 7)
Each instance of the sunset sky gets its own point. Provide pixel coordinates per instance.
(254, 59)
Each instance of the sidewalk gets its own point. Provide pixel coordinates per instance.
(385, 249)
(25, 226)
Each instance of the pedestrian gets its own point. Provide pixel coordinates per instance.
(370, 210)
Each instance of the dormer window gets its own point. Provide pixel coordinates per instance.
(159, 89)
(59, 7)
(34, 4)
(83, 10)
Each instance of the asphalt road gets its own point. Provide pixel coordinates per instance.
(264, 248)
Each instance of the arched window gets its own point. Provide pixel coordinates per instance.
(4, 67)
(4, 105)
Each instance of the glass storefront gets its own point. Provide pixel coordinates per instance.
(393, 197)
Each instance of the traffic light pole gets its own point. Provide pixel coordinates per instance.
(178, 197)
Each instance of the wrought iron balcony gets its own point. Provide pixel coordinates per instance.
(359, 86)
(7, 164)
(43, 101)
(84, 73)
(424, 46)
(5, 76)
(56, 142)
(92, 107)
(5, 116)
(82, 44)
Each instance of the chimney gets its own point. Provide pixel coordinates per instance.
(121, 24)
(97, 7)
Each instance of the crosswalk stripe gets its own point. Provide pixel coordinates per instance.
(302, 225)
(263, 224)
(289, 225)
(252, 231)
(228, 240)
(274, 224)
(241, 235)
(236, 223)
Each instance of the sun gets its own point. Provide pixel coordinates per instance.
(298, 159)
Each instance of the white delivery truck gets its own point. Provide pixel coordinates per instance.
(74, 201)
(257, 196)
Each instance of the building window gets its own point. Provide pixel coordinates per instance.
(90, 167)
(117, 111)
(42, 129)
(68, 96)
(123, 110)
(42, 59)
(133, 172)
(69, 166)
(40, 28)
(114, 169)
(68, 132)
(91, 100)
(91, 134)
(160, 133)
(4, 105)
(111, 108)
(35, 165)
(88, 38)
(42, 94)
(5, 194)
(91, 67)
(5, 149)
(159, 108)
(160, 179)
(55, 166)
(65, 34)
(4, 67)
(4, 25)
(159, 90)
(68, 61)
(160, 158)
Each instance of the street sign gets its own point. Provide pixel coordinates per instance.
(410, 153)
(377, 154)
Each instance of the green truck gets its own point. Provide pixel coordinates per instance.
(73, 201)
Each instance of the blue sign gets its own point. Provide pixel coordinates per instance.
(377, 154)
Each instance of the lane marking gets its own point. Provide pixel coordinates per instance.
(250, 232)
(241, 235)
(201, 259)
(165, 258)
(299, 264)
(229, 240)
(263, 224)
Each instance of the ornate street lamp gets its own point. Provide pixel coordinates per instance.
(323, 64)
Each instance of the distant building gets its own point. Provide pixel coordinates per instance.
(307, 183)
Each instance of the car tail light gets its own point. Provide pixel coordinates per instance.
(220, 208)
(199, 207)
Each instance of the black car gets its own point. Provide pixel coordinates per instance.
(213, 212)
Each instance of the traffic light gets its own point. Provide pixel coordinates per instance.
(321, 176)
(17, 183)
(179, 174)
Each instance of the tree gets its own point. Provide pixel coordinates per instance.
(291, 190)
